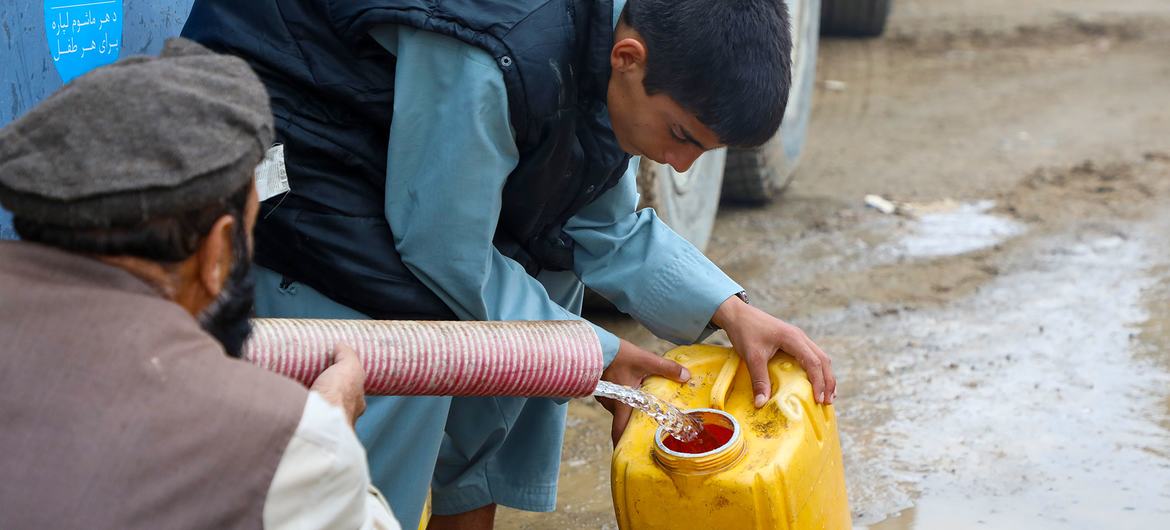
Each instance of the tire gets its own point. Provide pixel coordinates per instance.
(760, 174)
(854, 18)
(685, 201)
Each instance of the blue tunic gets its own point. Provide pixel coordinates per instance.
(451, 151)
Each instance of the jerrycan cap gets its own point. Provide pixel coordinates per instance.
(717, 459)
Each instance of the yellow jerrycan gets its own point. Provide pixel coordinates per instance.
(780, 468)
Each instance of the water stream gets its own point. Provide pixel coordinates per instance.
(680, 425)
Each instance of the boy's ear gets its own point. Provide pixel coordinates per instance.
(628, 53)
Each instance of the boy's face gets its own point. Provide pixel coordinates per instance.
(654, 127)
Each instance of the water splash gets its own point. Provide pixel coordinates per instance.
(680, 425)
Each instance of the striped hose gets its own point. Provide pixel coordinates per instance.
(408, 358)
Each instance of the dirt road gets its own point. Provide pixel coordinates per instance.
(1003, 350)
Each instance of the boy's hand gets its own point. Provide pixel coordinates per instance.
(631, 365)
(757, 336)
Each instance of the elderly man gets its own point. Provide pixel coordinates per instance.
(120, 313)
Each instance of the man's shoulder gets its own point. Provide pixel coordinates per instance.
(250, 387)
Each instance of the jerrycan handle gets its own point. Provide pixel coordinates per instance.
(723, 381)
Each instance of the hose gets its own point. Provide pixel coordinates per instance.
(433, 358)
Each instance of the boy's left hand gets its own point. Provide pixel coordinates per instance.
(630, 367)
(757, 336)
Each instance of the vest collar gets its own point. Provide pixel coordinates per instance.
(602, 18)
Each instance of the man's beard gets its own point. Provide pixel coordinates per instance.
(228, 318)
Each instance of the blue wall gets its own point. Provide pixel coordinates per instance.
(30, 41)
(6, 231)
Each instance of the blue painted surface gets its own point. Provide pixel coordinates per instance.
(6, 231)
(82, 34)
(29, 41)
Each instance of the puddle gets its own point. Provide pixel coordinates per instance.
(954, 229)
(1036, 395)
(1033, 404)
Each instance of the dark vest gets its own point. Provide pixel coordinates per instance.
(332, 88)
(119, 411)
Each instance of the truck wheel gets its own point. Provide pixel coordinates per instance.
(686, 201)
(759, 174)
(854, 18)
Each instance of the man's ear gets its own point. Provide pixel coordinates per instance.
(628, 54)
(214, 258)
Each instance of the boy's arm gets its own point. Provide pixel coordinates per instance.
(451, 151)
(637, 262)
(648, 271)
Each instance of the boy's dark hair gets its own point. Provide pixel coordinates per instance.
(169, 238)
(727, 61)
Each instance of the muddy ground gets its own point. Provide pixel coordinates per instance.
(1004, 347)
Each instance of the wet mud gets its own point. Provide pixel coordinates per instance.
(1003, 349)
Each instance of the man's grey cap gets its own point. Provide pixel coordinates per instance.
(141, 137)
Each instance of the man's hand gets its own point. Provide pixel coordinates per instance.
(344, 383)
(757, 336)
(631, 365)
